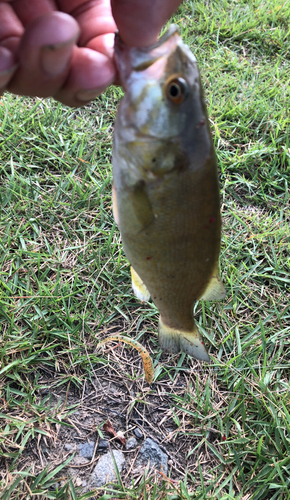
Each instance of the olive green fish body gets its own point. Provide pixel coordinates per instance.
(166, 184)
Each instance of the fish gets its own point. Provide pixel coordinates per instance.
(165, 187)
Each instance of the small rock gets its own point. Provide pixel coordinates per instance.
(104, 472)
(152, 453)
(131, 443)
(138, 433)
(87, 449)
(103, 444)
(68, 447)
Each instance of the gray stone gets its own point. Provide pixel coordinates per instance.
(68, 447)
(138, 433)
(87, 449)
(151, 453)
(131, 443)
(103, 444)
(104, 472)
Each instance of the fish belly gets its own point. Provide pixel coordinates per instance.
(170, 229)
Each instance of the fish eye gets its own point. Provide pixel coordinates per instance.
(176, 90)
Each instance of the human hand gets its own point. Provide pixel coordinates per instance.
(41, 39)
(64, 48)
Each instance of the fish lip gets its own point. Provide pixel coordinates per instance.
(130, 59)
(172, 30)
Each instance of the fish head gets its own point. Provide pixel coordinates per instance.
(161, 125)
(162, 87)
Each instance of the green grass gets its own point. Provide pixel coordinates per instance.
(64, 278)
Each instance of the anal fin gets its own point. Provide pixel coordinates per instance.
(173, 341)
(139, 288)
(215, 289)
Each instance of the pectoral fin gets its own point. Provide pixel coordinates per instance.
(138, 286)
(173, 341)
(141, 205)
(215, 290)
(115, 208)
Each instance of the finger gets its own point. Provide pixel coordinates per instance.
(139, 22)
(90, 74)
(28, 10)
(7, 67)
(103, 44)
(11, 29)
(44, 55)
(94, 18)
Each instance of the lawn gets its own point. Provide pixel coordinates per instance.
(65, 285)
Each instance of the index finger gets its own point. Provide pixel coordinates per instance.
(94, 18)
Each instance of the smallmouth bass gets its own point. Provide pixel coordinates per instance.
(166, 192)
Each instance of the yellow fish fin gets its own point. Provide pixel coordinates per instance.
(138, 286)
(115, 208)
(173, 341)
(141, 205)
(215, 290)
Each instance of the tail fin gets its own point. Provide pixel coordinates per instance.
(173, 341)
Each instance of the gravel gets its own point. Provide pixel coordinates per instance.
(152, 453)
(87, 449)
(138, 433)
(131, 443)
(104, 472)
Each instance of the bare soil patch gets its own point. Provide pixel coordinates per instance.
(161, 412)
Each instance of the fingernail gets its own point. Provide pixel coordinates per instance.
(6, 74)
(7, 66)
(8, 71)
(90, 94)
(55, 58)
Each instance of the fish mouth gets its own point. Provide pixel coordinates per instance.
(138, 59)
(172, 30)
